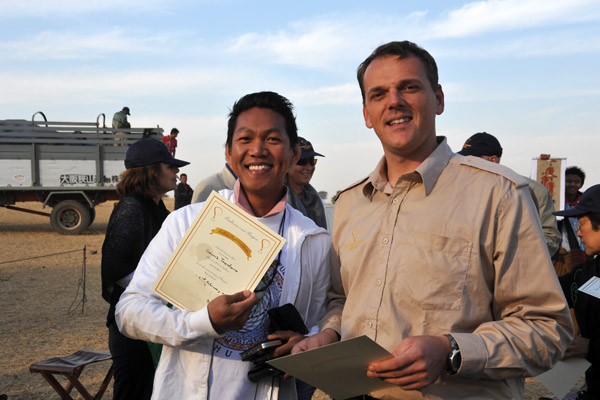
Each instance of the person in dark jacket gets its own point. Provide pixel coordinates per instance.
(183, 193)
(587, 307)
(137, 217)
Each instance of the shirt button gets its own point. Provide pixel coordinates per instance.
(378, 282)
(370, 324)
(385, 240)
(395, 201)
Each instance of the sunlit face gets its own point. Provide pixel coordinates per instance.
(572, 184)
(261, 153)
(589, 237)
(300, 175)
(401, 106)
(167, 180)
(183, 178)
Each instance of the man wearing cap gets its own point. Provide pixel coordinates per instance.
(432, 254)
(302, 196)
(486, 146)
(171, 141)
(587, 307)
(119, 120)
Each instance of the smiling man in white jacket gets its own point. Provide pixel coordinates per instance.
(201, 353)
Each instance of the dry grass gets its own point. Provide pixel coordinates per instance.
(42, 314)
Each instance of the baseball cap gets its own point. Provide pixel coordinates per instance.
(150, 151)
(589, 202)
(126, 110)
(307, 149)
(481, 144)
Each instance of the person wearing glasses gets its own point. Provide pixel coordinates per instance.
(302, 196)
(201, 354)
(586, 344)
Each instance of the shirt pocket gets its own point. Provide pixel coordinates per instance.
(436, 270)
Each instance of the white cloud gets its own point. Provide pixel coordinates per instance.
(307, 44)
(73, 45)
(44, 8)
(341, 94)
(93, 86)
(504, 15)
(324, 41)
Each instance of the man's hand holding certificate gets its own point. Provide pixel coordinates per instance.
(225, 251)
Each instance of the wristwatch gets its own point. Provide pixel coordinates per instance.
(454, 359)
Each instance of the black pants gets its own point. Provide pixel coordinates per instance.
(134, 370)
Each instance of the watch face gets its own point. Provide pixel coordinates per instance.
(455, 360)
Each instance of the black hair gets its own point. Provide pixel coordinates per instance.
(576, 171)
(594, 219)
(270, 101)
(403, 50)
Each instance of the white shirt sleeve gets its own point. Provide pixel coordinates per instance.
(143, 314)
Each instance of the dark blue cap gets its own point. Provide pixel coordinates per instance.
(150, 151)
(307, 149)
(589, 202)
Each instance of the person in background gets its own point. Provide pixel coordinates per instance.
(571, 252)
(151, 172)
(221, 180)
(201, 355)
(119, 120)
(586, 307)
(486, 146)
(302, 196)
(183, 193)
(434, 254)
(171, 141)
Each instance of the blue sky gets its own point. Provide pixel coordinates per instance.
(524, 70)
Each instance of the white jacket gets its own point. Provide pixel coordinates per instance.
(187, 336)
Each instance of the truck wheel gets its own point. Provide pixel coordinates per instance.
(70, 217)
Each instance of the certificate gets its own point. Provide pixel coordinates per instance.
(338, 369)
(224, 251)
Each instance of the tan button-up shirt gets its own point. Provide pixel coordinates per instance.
(454, 247)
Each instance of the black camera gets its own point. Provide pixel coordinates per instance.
(261, 350)
(281, 318)
(259, 355)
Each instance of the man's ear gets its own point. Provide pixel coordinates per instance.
(368, 123)
(227, 154)
(439, 97)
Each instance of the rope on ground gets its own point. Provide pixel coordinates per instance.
(33, 258)
(83, 299)
(80, 285)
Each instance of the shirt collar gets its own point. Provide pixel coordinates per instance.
(241, 201)
(427, 172)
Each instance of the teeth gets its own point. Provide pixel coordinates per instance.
(258, 167)
(400, 120)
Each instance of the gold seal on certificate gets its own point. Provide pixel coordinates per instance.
(224, 251)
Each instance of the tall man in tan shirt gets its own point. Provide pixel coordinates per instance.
(439, 258)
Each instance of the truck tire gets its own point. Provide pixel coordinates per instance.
(70, 217)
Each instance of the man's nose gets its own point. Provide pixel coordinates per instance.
(258, 148)
(396, 99)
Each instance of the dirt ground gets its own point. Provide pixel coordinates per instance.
(41, 292)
